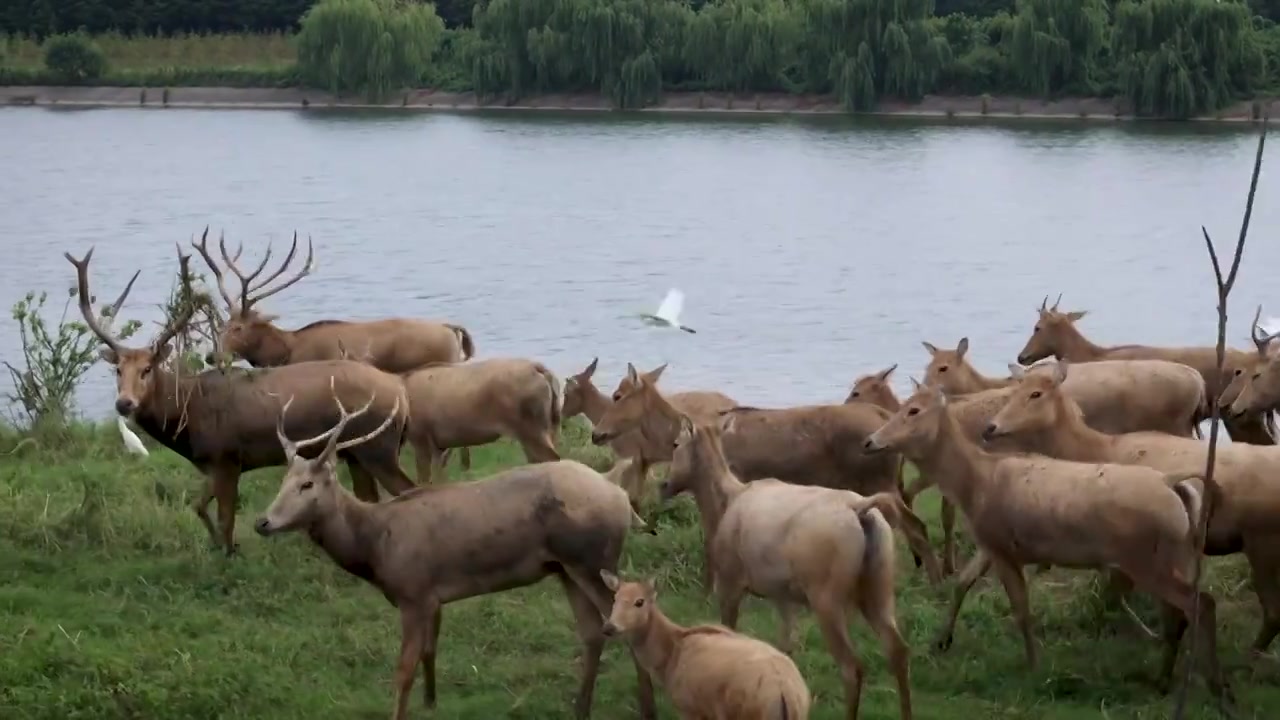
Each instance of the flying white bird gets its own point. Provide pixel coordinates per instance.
(669, 312)
(131, 441)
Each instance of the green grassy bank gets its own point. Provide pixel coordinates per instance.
(114, 605)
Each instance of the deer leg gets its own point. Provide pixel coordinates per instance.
(588, 623)
(464, 455)
(835, 630)
(387, 470)
(977, 567)
(362, 482)
(948, 537)
(878, 609)
(1264, 564)
(430, 637)
(921, 484)
(201, 507)
(538, 448)
(917, 535)
(225, 484)
(729, 593)
(786, 628)
(1015, 587)
(412, 638)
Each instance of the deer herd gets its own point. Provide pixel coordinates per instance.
(1092, 461)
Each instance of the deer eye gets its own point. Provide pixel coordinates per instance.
(913, 411)
(855, 393)
(639, 602)
(1035, 395)
(146, 371)
(307, 485)
(617, 396)
(1257, 375)
(1239, 372)
(1036, 330)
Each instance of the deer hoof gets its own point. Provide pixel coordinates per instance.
(943, 643)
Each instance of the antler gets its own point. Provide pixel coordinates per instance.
(1261, 339)
(183, 317)
(203, 247)
(1055, 302)
(86, 307)
(291, 448)
(247, 285)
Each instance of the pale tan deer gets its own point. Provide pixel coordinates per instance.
(1055, 334)
(797, 546)
(1027, 509)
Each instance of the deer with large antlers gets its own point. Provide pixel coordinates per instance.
(393, 345)
(444, 543)
(1055, 334)
(221, 421)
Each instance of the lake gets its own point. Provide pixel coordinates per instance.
(810, 250)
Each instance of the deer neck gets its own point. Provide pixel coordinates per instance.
(162, 415)
(1078, 348)
(594, 403)
(975, 381)
(715, 487)
(660, 424)
(655, 644)
(274, 348)
(1071, 438)
(349, 536)
(958, 465)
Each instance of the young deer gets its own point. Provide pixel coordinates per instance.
(710, 671)
(439, 544)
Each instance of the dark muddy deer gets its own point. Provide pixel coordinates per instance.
(221, 421)
(393, 345)
(443, 543)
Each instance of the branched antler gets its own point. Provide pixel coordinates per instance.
(1225, 286)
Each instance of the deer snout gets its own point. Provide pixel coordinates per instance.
(262, 527)
(990, 432)
(1024, 359)
(600, 438)
(126, 405)
(872, 445)
(609, 629)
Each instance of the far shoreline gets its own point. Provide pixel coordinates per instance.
(995, 107)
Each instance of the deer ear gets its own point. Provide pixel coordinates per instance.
(632, 375)
(591, 369)
(653, 375)
(1060, 372)
(963, 347)
(109, 355)
(1076, 315)
(727, 420)
(933, 349)
(1016, 371)
(610, 580)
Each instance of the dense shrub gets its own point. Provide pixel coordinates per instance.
(372, 47)
(74, 58)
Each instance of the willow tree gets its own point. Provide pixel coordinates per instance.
(617, 47)
(1056, 44)
(863, 50)
(743, 44)
(1179, 58)
(374, 47)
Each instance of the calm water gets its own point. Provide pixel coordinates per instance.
(810, 251)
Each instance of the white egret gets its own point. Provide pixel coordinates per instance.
(132, 442)
(668, 313)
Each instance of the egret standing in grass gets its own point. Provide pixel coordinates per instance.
(132, 442)
(669, 312)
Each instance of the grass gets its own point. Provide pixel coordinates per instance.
(231, 60)
(114, 605)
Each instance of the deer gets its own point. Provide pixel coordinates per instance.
(1117, 395)
(215, 419)
(1029, 509)
(796, 545)
(816, 445)
(1243, 374)
(438, 544)
(393, 345)
(457, 405)
(1245, 506)
(710, 671)
(582, 396)
(1055, 334)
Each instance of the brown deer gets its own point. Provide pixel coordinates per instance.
(1243, 374)
(219, 421)
(581, 396)
(1245, 512)
(1029, 509)
(796, 545)
(456, 405)
(817, 445)
(393, 345)
(443, 543)
(710, 671)
(1116, 395)
(1055, 334)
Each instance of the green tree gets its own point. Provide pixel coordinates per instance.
(373, 47)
